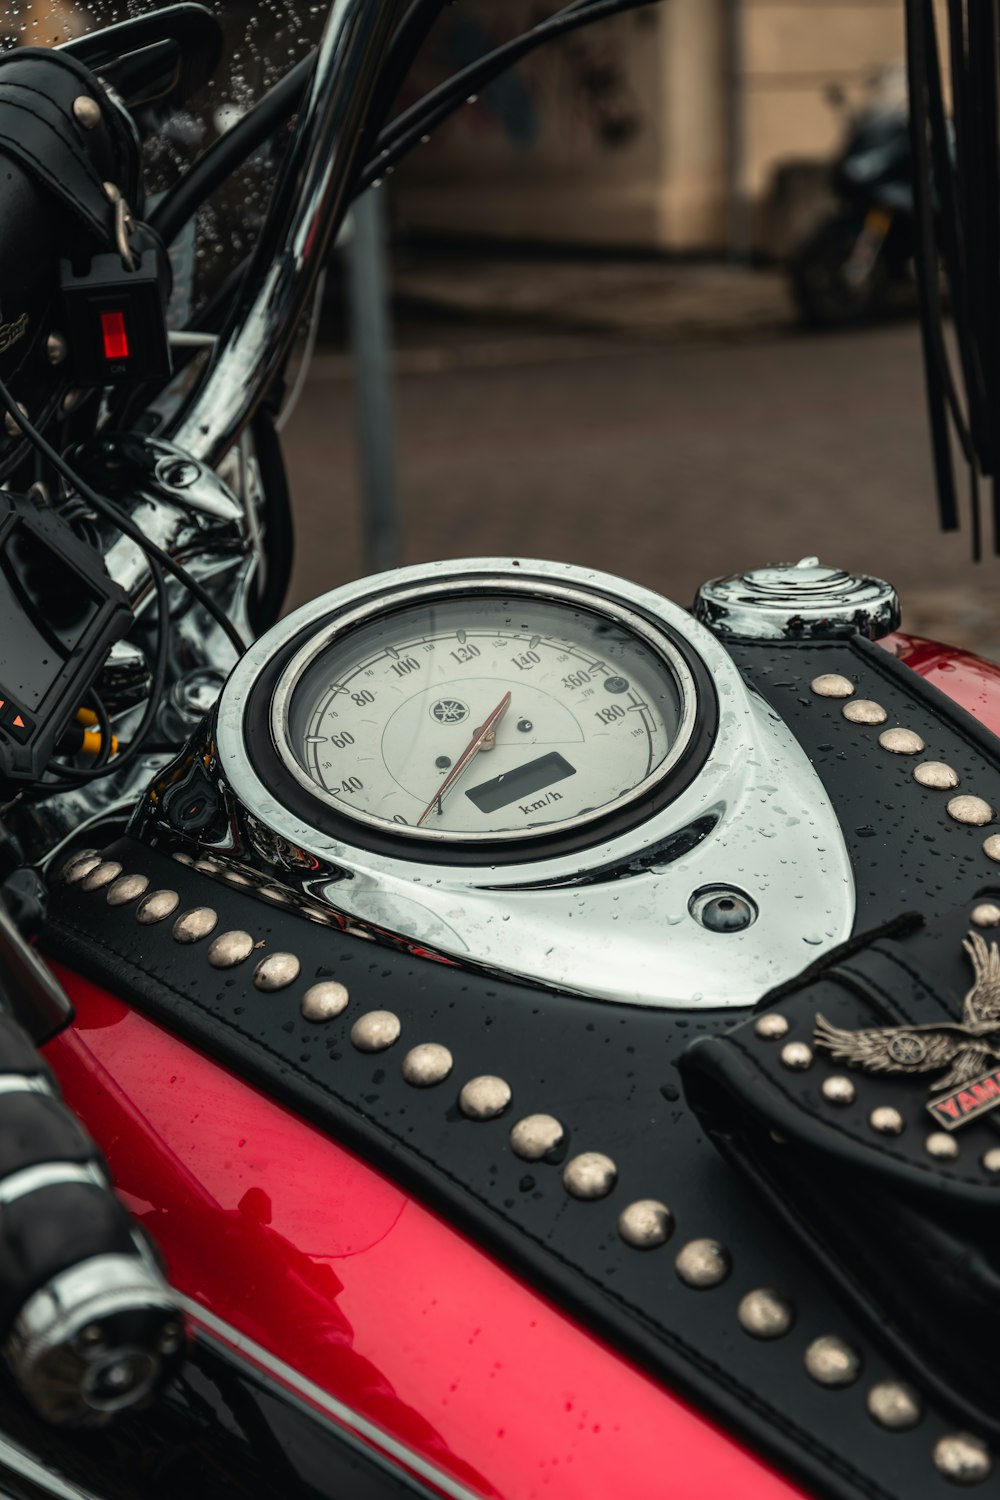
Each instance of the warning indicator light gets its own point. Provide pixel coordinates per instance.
(115, 337)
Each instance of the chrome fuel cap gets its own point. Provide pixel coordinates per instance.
(797, 600)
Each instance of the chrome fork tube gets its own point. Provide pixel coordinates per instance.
(309, 203)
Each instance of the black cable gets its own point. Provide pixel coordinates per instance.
(70, 778)
(408, 128)
(122, 522)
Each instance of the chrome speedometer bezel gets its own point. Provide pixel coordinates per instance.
(482, 587)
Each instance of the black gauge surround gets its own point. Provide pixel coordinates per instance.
(547, 760)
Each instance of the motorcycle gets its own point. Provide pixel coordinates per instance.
(843, 271)
(517, 1013)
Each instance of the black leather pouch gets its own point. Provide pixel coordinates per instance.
(861, 1102)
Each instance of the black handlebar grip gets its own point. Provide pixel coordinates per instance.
(88, 1325)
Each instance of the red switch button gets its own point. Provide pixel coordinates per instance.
(115, 336)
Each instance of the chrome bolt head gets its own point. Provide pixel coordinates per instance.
(230, 949)
(765, 1314)
(589, 1176)
(56, 348)
(324, 1001)
(886, 1120)
(901, 741)
(894, 1405)
(191, 926)
(536, 1137)
(972, 810)
(157, 907)
(485, 1097)
(276, 972)
(86, 112)
(375, 1031)
(703, 1264)
(962, 1458)
(991, 846)
(11, 425)
(986, 914)
(941, 1145)
(831, 1362)
(645, 1224)
(832, 685)
(838, 1089)
(427, 1064)
(771, 1026)
(935, 775)
(796, 1056)
(991, 1159)
(864, 711)
(80, 865)
(128, 889)
(101, 875)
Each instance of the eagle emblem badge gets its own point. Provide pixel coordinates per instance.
(967, 1051)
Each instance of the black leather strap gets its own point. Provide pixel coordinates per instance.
(910, 1235)
(609, 1073)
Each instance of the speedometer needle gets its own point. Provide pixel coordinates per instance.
(479, 739)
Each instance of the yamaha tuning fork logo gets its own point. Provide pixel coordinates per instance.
(449, 711)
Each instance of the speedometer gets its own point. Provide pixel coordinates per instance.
(484, 710)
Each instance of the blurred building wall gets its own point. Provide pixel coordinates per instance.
(663, 129)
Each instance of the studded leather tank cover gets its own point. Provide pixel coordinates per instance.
(553, 1128)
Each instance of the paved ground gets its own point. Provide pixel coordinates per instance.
(668, 449)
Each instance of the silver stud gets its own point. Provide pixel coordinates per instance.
(991, 846)
(886, 1120)
(991, 1159)
(157, 907)
(901, 741)
(230, 949)
(837, 1089)
(276, 971)
(86, 111)
(765, 1314)
(986, 914)
(375, 1031)
(941, 1145)
(128, 889)
(191, 926)
(797, 1056)
(832, 685)
(321, 1002)
(770, 1027)
(484, 1098)
(80, 865)
(962, 1458)
(864, 711)
(427, 1064)
(936, 775)
(968, 809)
(645, 1224)
(831, 1362)
(894, 1405)
(101, 875)
(207, 866)
(11, 425)
(536, 1137)
(590, 1175)
(56, 348)
(183, 859)
(703, 1264)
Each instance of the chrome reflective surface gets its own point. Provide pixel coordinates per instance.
(757, 805)
(795, 600)
(310, 201)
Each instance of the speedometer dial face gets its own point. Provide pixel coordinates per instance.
(484, 715)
